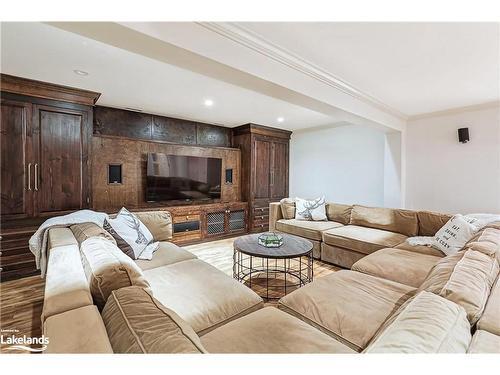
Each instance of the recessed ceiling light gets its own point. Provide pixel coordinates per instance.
(208, 102)
(80, 72)
(280, 119)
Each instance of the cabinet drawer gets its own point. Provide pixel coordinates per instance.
(186, 226)
(190, 236)
(184, 218)
(261, 210)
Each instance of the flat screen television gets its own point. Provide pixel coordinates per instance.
(186, 178)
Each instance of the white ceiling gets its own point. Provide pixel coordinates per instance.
(398, 70)
(412, 67)
(42, 52)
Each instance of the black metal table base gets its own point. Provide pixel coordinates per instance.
(272, 278)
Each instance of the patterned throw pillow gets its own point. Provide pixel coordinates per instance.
(453, 236)
(131, 235)
(310, 210)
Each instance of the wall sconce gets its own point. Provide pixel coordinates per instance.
(463, 135)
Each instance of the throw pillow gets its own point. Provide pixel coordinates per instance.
(310, 209)
(453, 236)
(131, 235)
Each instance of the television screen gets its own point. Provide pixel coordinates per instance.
(188, 178)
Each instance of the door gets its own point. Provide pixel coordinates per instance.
(279, 170)
(61, 172)
(261, 166)
(17, 161)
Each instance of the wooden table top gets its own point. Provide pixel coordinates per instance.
(293, 247)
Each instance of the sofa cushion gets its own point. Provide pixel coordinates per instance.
(287, 208)
(339, 256)
(490, 320)
(107, 268)
(307, 229)
(422, 249)
(427, 323)
(61, 237)
(138, 323)
(341, 213)
(465, 278)
(77, 331)
(201, 294)
(484, 342)
(405, 267)
(389, 219)
(66, 286)
(159, 224)
(430, 222)
(347, 305)
(488, 242)
(86, 230)
(361, 239)
(270, 330)
(167, 253)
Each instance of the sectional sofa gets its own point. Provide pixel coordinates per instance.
(97, 300)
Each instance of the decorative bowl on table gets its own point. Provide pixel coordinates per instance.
(271, 239)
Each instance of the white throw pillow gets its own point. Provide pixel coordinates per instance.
(310, 209)
(453, 236)
(131, 235)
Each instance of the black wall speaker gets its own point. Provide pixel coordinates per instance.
(463, 135)
(114, 173)
(229, 176)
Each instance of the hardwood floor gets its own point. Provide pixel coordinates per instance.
(21, 300)
(21, 304)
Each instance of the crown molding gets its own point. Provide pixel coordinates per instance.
(252, 40)
(452, 111)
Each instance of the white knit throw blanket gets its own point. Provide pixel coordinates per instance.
(38, 242)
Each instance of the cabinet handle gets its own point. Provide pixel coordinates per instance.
(36, 176)
(29, 176)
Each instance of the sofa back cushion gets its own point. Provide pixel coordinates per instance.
(486, 241)
(425, 323)
(389, 219)
(84, 231)
(138, 323)
(465, 278)
(341, 213)
(288, 208)
(430, 222)
(107, 268)
(159, 224)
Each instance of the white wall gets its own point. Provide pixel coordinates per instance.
(447, 176)
(345, 163)
(392, 170)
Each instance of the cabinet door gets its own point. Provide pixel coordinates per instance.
(17, 163)
(261, 169)
(61, 177)
(279, 170)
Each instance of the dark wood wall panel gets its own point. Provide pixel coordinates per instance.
(142, 126)
(132, 155)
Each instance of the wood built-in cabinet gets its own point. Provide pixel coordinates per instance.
(195, 223)
(44, 158)
(46, 134)
(265, 160)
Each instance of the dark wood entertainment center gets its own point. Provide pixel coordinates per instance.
(57, 146)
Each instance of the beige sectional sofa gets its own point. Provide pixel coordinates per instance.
(353, 232)
(394, 300)
(378, 293)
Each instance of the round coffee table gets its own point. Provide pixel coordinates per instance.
(273, 272)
